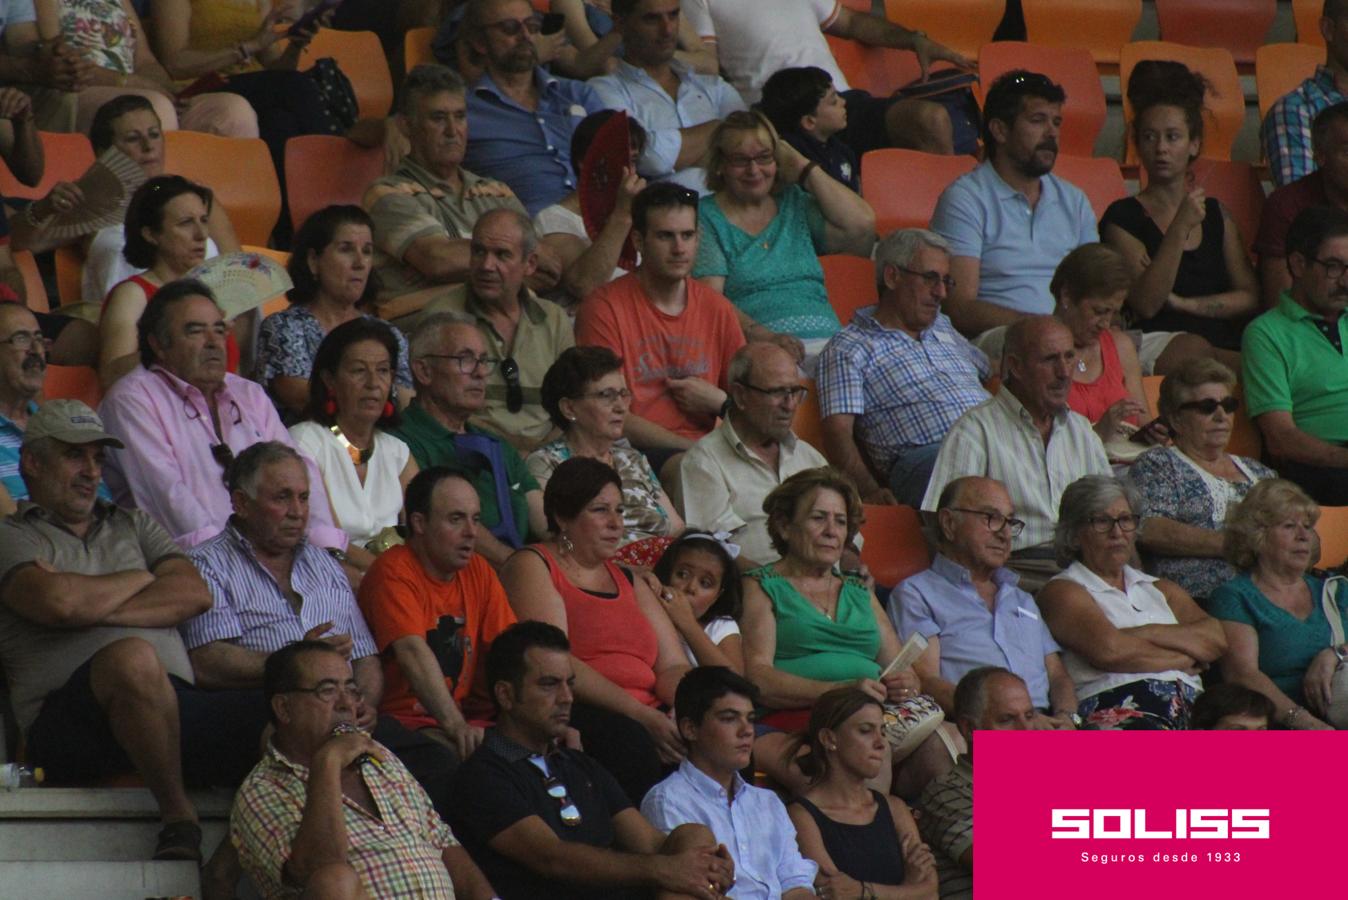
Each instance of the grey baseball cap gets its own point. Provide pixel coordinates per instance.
(71, 421)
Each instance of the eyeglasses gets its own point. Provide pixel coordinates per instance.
(1334, 268)
(328, 691)
(467, 362)
(514, 391)
(609, 395)
(512, 27)
(1105, 524)
(762, 160)
(556, 790)
(994, 520)
(1210, 405)
(22, 340)
(930, 279)
(794, 394)
(1032, 80)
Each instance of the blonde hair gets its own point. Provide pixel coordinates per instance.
(739, 122)
(782, 503)
(1268, 504)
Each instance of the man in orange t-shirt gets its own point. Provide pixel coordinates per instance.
(675, 334)
(434, 606)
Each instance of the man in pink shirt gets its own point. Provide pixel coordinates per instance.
(183, 419)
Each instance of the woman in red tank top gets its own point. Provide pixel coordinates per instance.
(627, 654)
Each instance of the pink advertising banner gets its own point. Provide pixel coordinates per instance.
(1156, 815)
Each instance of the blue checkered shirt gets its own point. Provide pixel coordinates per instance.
(1286, 132)
(904, 391)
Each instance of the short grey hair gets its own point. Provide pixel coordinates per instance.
(528, 234)
(427, 80)
(243, 472)
(899, 247)
(1085, 498)
(427, 336)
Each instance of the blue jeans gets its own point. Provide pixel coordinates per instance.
(911, 471)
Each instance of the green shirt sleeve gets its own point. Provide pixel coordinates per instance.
(1265, 372)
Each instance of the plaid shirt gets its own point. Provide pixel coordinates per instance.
(397, 855)
(1286, 131)
(906, 391)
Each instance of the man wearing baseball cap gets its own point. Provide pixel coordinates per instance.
(90, 597)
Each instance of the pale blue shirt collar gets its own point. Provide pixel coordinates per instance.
(957, 574)
(709, 787)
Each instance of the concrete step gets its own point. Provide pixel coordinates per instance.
(97, 880)
(90, 840)
(102, 803)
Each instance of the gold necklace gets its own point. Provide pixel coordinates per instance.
(358, 456)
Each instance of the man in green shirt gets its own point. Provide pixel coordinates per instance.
(1295, 373)
(450, 366)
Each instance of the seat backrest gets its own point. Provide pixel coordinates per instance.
(35, 292)
(238, 170)
(1333, 530)
(894, 547)
(1224, 106)
(877, 70)
(417, 47)
(1071, 67)
(361, 58)
(1100, 26)
(1097, 176)
(1306, 15)
(902, 186)
(69, 262)
(323, 169)
(1278, 68)
(850, 283)
(808, 424)
(962, 25)
(1234, 183)
(1237, 25)
(73, 383)
(65, 158)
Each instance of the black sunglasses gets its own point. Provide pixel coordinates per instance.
(1209, 406)
(514, 392)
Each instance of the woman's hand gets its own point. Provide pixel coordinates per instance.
(1317, 684)
(668, 742)
(875, 688)
(1108, 426)
(631, 185)
(901, 685)
(548, 46)
(918, 862)
(64, 196)
(789, 162)
(836, 886)
(679, 608)
(1191, 211)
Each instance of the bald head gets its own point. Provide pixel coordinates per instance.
(967, 512)
(760, 376)
(1039, 358)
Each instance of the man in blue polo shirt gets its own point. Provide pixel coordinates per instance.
(523, 117)
(1011, 220)
(1295, 374)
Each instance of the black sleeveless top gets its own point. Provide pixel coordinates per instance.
(1202, 271)
(867, 853)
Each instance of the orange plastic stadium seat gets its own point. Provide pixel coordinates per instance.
(1306, 15)
(1098, 176)
(876, 70)
(239, 171)
(1083, 115)
(850, 283)
(1237, 185)
(1278, 68)
(894, 547)
(69, 261)
(1237, 25)
(1333, 530)
(73, 383)
(361, 58)
(962, 25)
(1100, 26)
(417, 47)
(902, 186)
(808, 423)
(323, 169)
(65, 158)
(1224, 113)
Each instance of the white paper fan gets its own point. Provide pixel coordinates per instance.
(107, 187)
(242, 281)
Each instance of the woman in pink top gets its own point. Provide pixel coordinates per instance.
(627, 654)
(1089, 286)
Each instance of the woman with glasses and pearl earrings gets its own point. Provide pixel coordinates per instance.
(1135, 645)
(587, 397)
(1188, 488)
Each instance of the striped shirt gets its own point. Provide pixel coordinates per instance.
(947, 824)
(249, 608)
(906, 390)
(1286, 132)
(11, 441)
(397, 855)
(998, 439)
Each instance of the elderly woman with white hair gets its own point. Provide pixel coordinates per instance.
(1280, 641)
(1134, 644)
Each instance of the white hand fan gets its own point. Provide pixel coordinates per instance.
(242, 281)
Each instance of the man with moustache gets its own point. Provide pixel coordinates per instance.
(1011, 220)
(715, 711)
(727, 474)
(523, 116)
(678, 107)
(676, 335)
(1026, 438)
(899, 374)
(1294, 372)
(971, 609)
(435, 607)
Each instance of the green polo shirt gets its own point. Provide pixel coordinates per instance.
(1288, 365)
(432, 444)
(544, 331)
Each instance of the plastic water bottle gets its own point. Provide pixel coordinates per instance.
(14, 776)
